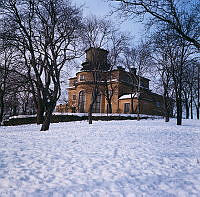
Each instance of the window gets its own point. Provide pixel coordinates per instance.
(81, 102)
(143, 84)
(74, 97)
(126, 107)
(73, 109)
(74, 83)
(82, 78)
(98, 76)
(158, 104)
(97, 105)
(110, 93)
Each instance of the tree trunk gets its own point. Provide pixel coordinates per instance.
(166, 109)
(109, 107)
(179, 111)
(40, 111)
(191, 110)
(47, 118)
(197, 109)
(14, 110)
(138, 110)
(167, 117)
(187, 110)
(198, 92)
(132, 107)
(179, 103)
(94, 98)
(90, 113)
(178, 92)
(191, 102)
(166, 106)
(1, 108)
(138, 96)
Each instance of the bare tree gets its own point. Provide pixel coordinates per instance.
(5, 64)
(181, 16)
(10, 81)
(188, 87)
(162, 66)
(176, 55)
(118, 41)
(46, 34)
(13, 84)
(137, 60)
(197, 103)
(96, 32)
(191, 87)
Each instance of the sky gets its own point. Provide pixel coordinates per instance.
(102, 8)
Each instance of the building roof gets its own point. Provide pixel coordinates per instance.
(128, 96)
(100, 49)
(72, 78)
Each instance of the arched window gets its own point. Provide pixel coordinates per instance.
(97, 104)
(81, 102)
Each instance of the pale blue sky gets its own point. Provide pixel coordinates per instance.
(97, 7)
(101, 8)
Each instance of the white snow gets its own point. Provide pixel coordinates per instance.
(22, 116)
(128, 96)
(105, 114)
(115, 158)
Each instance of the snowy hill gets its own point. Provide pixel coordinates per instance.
(116, 158)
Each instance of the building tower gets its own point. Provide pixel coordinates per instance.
(96, 59)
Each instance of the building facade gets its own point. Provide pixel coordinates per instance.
(115, 86)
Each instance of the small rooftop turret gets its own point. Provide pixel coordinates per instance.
(96, 58)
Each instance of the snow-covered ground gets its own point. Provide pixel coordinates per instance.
(114, 158)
